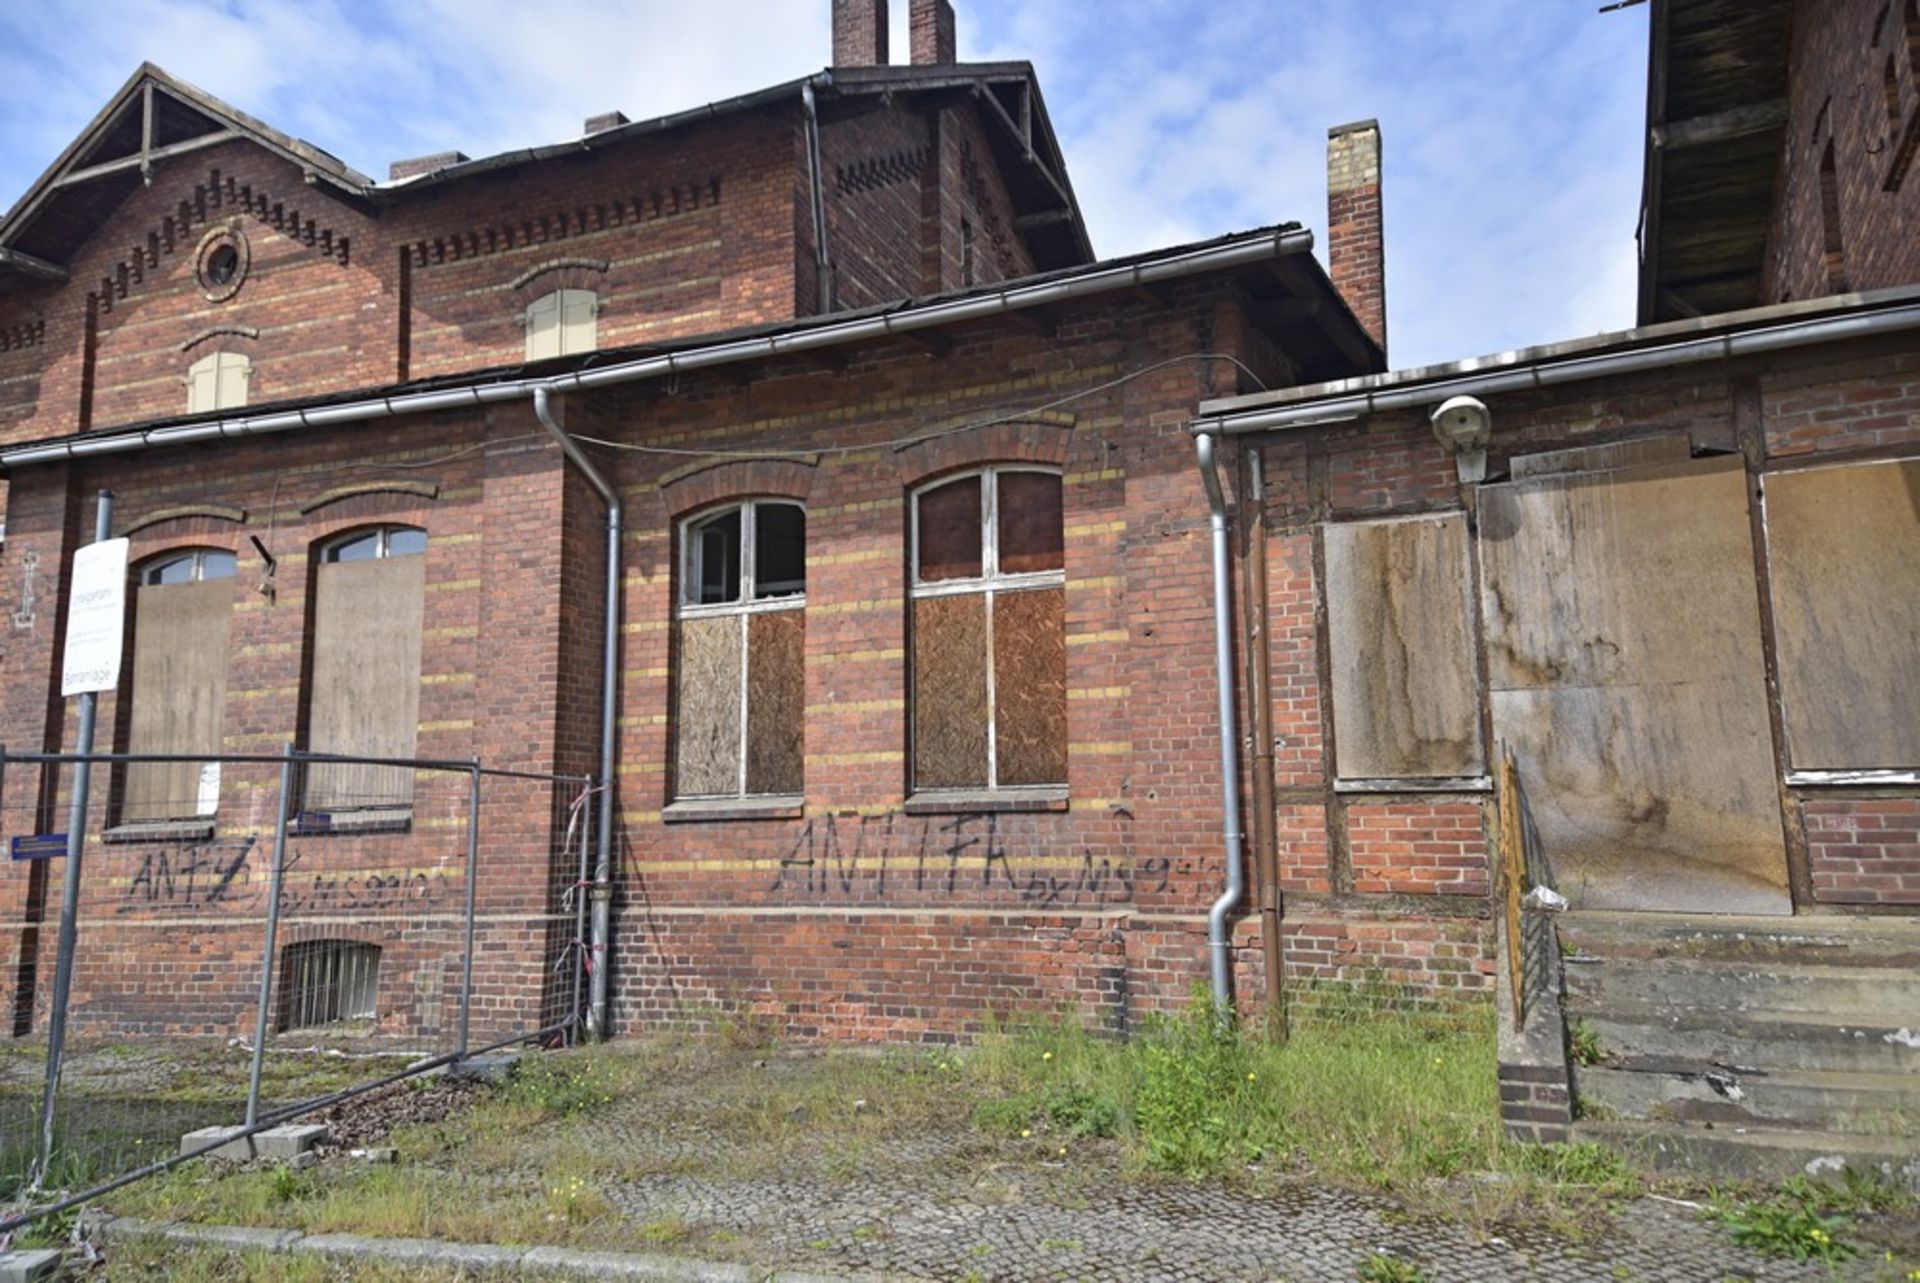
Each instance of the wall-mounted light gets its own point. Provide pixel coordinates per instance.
(1464, 426)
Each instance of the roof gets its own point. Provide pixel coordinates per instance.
(1725, 334)
(119, 147)
(1283, 285)
(1716, 122)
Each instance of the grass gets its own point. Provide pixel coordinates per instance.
(1395, 1103)
(1807, 1220)
(150, 1259)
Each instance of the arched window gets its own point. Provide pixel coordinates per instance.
(741, 634)
(562, 323)
(989, 632)
(182, 617)
(218, 381)
(363, 696)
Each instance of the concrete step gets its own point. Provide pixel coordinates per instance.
(1883, 994)
(1747, 1153)
(1892, 943)
(1630, 1035)
(1682, 1092)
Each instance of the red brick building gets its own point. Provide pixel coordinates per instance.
(915, 678)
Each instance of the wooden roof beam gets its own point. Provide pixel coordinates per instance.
(1720, 126)
(27, 265)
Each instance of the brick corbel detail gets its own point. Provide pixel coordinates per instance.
(558, 274)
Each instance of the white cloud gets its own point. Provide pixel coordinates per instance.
(1511, 126)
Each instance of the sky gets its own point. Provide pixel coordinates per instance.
(1511, 127)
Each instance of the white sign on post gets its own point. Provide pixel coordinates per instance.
(96, 619)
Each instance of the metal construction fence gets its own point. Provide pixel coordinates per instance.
(237, 939)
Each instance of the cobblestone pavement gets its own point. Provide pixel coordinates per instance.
(941, 1207)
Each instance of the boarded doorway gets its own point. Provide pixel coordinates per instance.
(1625, 669)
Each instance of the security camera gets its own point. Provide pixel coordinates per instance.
(1464, 426)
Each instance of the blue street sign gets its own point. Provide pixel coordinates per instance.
(40, 846)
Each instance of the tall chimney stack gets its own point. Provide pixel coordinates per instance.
(1356, 247)
(859, 33)
(930, 23)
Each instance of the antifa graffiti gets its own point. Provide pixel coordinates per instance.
(233, 873)
(891, 853)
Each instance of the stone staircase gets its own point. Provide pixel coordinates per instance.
(1737, 1047)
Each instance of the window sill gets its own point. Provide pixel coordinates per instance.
(985, 801)
(160, 831)
(734, 808)
(393, 819)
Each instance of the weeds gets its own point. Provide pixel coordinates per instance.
(1583, 1043)
(1381, 1268)
(1784, 1228)
(563, 1085)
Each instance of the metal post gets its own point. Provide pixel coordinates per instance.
(70, 897)
(473, 871)
(273, 927)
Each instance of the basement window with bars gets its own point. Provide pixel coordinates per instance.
(325, 982)
(741, 642)
(989, 633)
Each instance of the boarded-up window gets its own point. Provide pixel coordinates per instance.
(742, 641)
(1844, 551)
(989, 632)
(1400, 624)
(183, 610)
(364, 698)
(218, 382)
(562, 323)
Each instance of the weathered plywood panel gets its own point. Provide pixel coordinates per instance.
(365, 697)
(776, 701)
(1400, 627)
(1624, 660)
(950, 692)
(708, 760)
(179, 698)
(1844, 555)
(1030, 687)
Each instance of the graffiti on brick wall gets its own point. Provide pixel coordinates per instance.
(965, 854)
(234, 874)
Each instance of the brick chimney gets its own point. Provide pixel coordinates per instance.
(930, 24)
(1356, 249)
(419, 165)
(859, 33)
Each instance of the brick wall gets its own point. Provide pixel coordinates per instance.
(1854, 82)
(1865, 851)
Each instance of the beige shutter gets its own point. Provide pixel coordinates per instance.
(365, 698)
(578, 308)
(203, 381)
(543, 328)
(179, 697)
(230, 384)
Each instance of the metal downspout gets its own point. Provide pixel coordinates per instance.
(602, 893)
(822, 264)
(1218, 942)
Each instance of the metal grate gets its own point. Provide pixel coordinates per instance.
(325, 981)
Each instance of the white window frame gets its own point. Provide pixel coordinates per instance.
(383, 542)
(149, 569)
(218, 364)
(743, 608)
(570, 340)
(990, 583)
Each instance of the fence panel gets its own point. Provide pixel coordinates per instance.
(433, 908)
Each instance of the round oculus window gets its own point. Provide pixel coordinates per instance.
(222, 265)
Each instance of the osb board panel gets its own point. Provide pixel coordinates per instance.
(1030, 686)
(950, 692)
(1623, 651)
(1400, 628)
(179, 696)
(776, 700)
(366, 679)
(708, 759)
(1844, 550)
